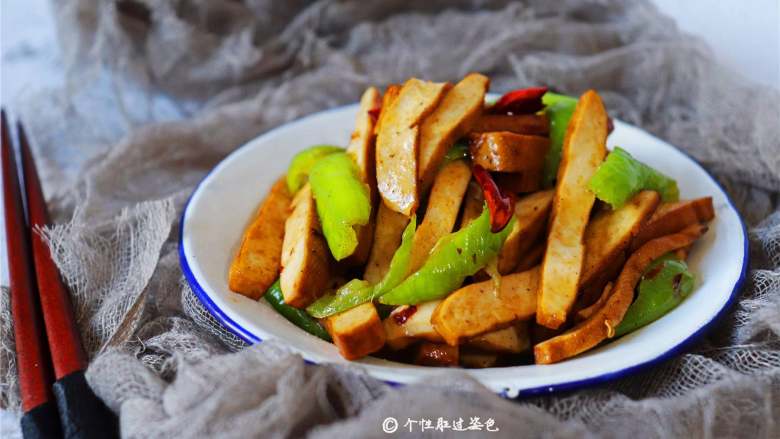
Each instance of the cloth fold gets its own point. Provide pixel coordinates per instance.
(160, 91)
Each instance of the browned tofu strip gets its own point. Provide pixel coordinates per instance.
(442, 211)
(529, 124)
(607, 238)
(396, 336)
(409, 323)
(532, 257)
(362, 149)
(510, 340)
(397, 144)
(673, 217)
(258, 261)
(357, 332)
(602, 323)
(387, 237)
(610, 232)
(473, 203)
(388, 99)
(531, 214)
(453, 118)
(508, 152)
(306, 259)
(475, 309)
(519, 182)
(584, 148)
(588, 311)
(361, 144)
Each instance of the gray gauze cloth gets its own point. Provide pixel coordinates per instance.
(159, 91)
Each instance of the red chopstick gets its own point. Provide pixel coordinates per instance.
(78, 412)
(67, 352)
(32, 356)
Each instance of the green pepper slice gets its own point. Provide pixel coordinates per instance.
(297, 316)
(343, 201)
(301, 164)
(357, 292)
(459, 150)
(455, 257)
(621, 176)
(559, 109)
(665, 284)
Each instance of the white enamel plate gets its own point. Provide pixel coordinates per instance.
(225, 201)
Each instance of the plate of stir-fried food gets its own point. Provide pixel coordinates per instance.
(528, 238)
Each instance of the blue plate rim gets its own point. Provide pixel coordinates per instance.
(568, 386)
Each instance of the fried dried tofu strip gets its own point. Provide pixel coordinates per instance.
(473, 203)
(362, 149)
(388, 99)
(476, 309)
(257, 263)
(508, 152)
(531, 212)
(673, 217)
(602, 323)
(511, 340)
(387, 237)
(607, 243)
(588, 311)
(532, 257)
(361, 144)
(453, 118)
(387, 225)
(442, 210)
(528, 124)
(584, 148)
(409, 323)
(306, 259)
(519, 182)
(357, 332)
(611, 231)
(397, 143)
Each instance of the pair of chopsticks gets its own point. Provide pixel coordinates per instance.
(50, 359)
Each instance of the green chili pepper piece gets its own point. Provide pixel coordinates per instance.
(301, 164)
(559, 109)
(357, 292)
(455, 257)
(665, 284)
(458, 151)
(343, 201)
(349, 295)
(297, 316)
(621, 176)
(399, 265)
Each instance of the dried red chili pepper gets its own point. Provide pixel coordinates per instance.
(500, 205)
(521, 101)
(403, 315)
(374, 113)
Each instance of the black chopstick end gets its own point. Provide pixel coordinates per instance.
(82, 414)
(41, 422)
